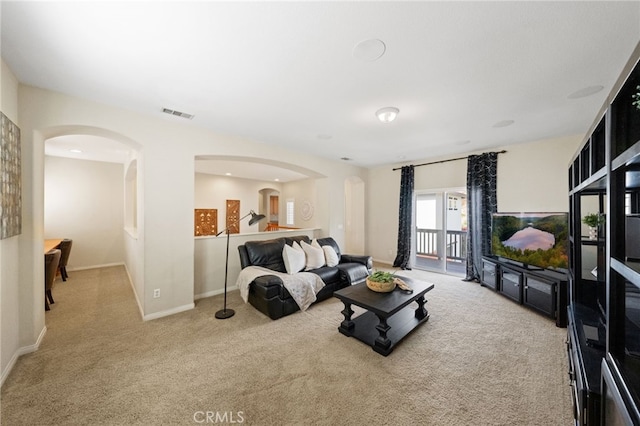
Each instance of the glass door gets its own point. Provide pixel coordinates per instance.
(441, 231)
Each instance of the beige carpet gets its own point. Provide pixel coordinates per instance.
(479, 360)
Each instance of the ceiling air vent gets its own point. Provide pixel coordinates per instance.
(177, 113)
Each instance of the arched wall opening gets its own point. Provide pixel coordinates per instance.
(95, 198)
(248, 180)
(270, 207)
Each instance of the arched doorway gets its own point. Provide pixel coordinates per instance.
(102, 169)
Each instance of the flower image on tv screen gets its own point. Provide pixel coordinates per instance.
(537, 239)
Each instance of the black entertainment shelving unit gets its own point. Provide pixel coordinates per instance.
(603, 341)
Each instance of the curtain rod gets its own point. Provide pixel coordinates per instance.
(446, 161)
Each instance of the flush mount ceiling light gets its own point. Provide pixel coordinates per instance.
(387, 114)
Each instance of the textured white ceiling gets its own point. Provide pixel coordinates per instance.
(285, 72)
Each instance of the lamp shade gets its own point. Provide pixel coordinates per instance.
(387, 114)
(255, 218)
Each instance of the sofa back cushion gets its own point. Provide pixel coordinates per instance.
(267, 254)
(330, 255)
(329, 241)
(314, 256)
(294, 258)
(298, 238)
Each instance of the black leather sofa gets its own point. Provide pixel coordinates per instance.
(268, 294)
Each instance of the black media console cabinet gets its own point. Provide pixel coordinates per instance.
(540, 289)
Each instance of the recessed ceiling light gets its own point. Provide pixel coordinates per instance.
(587, 91)
(369, 50)
(504, 123)
(77, 151)
(227, 174)
(387, 114)
(345, 158)
(277, 180)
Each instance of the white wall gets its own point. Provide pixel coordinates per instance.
(11, 328)
(531, 177)
(84, 201)
(300, 191)
(534, 176)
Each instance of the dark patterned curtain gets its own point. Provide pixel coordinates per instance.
(481, 203)
(404, 220)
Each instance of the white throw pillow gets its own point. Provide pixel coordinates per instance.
(315, 256)
(294, 258)
(330, 256)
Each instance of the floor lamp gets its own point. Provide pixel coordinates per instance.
(228, 313)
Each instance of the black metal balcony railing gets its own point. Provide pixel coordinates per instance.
(427, 243)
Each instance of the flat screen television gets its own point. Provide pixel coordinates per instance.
(531, 239)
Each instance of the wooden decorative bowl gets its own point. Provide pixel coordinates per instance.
(381, 287)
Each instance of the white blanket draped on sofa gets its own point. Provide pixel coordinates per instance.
(303, 286)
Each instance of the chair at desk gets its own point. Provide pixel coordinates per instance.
(51, 261)
(65, 248)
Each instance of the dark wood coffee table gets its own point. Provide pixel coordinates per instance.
(386, 322)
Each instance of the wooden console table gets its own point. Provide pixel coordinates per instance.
(51, 244)
(386, 322)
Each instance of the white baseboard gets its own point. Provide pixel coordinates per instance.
(22, 351)
(106, 265)
(155, 315)
(214, 292)
(168, 312)
(384, 262)
(135, 294)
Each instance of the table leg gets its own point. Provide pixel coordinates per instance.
(346, 326)
(382, 342)
(421, 311)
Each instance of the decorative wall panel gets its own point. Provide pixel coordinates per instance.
(10, 180)
(206, 222)
(233, 216)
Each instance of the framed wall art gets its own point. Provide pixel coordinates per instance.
(205, 222)
(233, 216)
(10, 180)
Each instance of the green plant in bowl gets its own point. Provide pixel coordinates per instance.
(381, 277)
(593, 219)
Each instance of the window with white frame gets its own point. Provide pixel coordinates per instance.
(290, 209)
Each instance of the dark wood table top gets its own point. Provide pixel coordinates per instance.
(383, 304)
